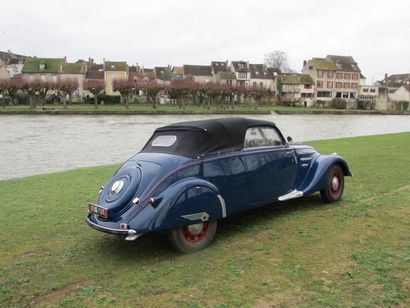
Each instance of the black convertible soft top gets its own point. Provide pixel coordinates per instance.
(196, 138)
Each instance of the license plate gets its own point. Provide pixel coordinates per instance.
(96, 209)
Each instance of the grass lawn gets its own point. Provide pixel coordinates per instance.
(141, 108)
(298, 253)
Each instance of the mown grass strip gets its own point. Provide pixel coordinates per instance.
(302, 252)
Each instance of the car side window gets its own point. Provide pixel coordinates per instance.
(260, 136)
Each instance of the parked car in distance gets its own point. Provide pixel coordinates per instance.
(189, 175)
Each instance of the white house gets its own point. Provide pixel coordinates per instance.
(198, 73)
(260, 76)
(242, 72)
(295, 89)
(4, 74)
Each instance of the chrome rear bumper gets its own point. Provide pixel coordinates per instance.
(129, 233)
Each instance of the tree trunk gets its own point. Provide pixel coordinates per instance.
(95, 101)
(126, 101)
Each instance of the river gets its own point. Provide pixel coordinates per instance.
(38, 144)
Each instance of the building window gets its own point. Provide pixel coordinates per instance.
(373, 90)
(339, 76)
(346, 85)
(324, 94)
(254, 83)
(345, 94)
(319, 84)
(261, 84)
(365, 90)
(307, 86)
(329, 74)
(320, 74)
(338, 85)
(347, 76)
(355, 76)
(330, 84)
(338, 95)
(352, 95)
(242, 75)
(354, 85)
(311, 67)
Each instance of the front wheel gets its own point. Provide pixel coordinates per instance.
(334, 185)
(194, 237)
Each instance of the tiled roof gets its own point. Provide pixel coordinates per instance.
(260, 71)
(95, 67)
(197, 70)
(219, 66)
(295, 79)
(132, 69)
(322, 64)
(240, 66)
(94, 75)
(43, 65)
(396, 80)
(162, 73)
(344, 63)
(115, 66)
(73, 68)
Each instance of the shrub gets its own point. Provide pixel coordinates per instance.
(109, 99)
(338, 103)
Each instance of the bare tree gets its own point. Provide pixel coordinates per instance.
(95, 86)
(277, 60)
(66, 88)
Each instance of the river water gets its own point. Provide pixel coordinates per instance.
(38, 144)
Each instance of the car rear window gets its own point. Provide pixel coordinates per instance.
(164, 141)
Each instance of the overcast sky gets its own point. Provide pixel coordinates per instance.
(159, 32)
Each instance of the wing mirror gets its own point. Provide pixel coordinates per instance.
(289, 139)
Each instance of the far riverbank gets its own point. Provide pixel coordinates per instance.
(168, 109)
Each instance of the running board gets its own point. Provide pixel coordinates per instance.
(292, 195)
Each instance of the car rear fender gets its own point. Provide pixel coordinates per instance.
(315, 179)
(198, 201)
(191, 200)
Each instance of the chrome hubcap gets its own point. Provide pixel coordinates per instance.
(335, 183)
(116, 187)
(196, 228)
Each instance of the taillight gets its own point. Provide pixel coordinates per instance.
(100, 211)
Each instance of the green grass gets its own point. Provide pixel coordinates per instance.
(298, 253)
(173, 109)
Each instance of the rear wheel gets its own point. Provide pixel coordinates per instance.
(334, 185)
(194, 237)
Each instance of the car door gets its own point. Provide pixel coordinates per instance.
(271, 165)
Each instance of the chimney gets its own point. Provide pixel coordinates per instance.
(304, 63)
(65, 59)
(385, 76)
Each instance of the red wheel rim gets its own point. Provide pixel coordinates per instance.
(336, 184)
(195, 233)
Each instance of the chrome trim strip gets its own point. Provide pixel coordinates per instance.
(202, 216)
(223, 206)
(131, 234)
(292, 195)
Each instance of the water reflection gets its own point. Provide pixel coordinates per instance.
(39, 144)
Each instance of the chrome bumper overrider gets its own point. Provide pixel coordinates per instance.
(130, 233)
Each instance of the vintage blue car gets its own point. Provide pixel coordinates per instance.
(189, 175)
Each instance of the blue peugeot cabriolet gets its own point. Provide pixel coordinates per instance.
(189, 175)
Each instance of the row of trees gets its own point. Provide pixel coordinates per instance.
(180, 92)
(36, 91)
(183, 91)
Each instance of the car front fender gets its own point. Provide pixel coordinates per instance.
(315, 179)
